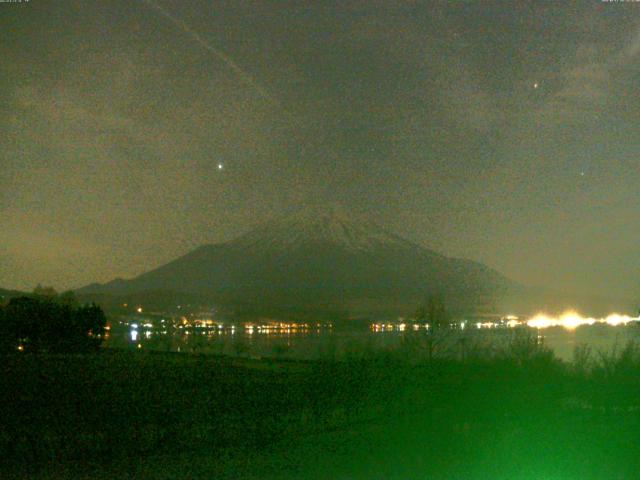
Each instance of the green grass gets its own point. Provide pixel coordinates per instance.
(512, 413)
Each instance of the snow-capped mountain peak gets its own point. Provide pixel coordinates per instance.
(329, 226)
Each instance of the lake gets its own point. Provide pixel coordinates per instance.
(337, 340)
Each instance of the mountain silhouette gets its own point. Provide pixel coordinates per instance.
(319, 260)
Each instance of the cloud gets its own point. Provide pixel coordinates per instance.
(632, 48)
(589, 81)
(36, 249)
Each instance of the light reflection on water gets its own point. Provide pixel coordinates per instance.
(324, 340)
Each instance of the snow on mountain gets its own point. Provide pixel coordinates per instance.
(330, 226)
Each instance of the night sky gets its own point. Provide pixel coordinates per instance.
(508, 133)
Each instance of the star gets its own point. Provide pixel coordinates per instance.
(220, 166)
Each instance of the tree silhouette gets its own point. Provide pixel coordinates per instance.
(52, 324)
(433, 311)
(41, 291)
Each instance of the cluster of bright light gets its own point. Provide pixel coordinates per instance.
(284, 328)
(486, 324)
(572, 320)
(396, 327)
(615, 319)
(569, 320)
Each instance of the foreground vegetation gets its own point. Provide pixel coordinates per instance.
(47, 322)
(515, 412)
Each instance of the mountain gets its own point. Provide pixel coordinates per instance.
(318, 261)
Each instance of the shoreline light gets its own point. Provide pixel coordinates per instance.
(571, 320)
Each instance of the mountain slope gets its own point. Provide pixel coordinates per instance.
(319, 260)
(6, 295)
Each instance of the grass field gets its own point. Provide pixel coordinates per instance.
(515, 414)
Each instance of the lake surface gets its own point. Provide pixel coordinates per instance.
(327, 340)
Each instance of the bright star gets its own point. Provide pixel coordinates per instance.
(220, 166)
